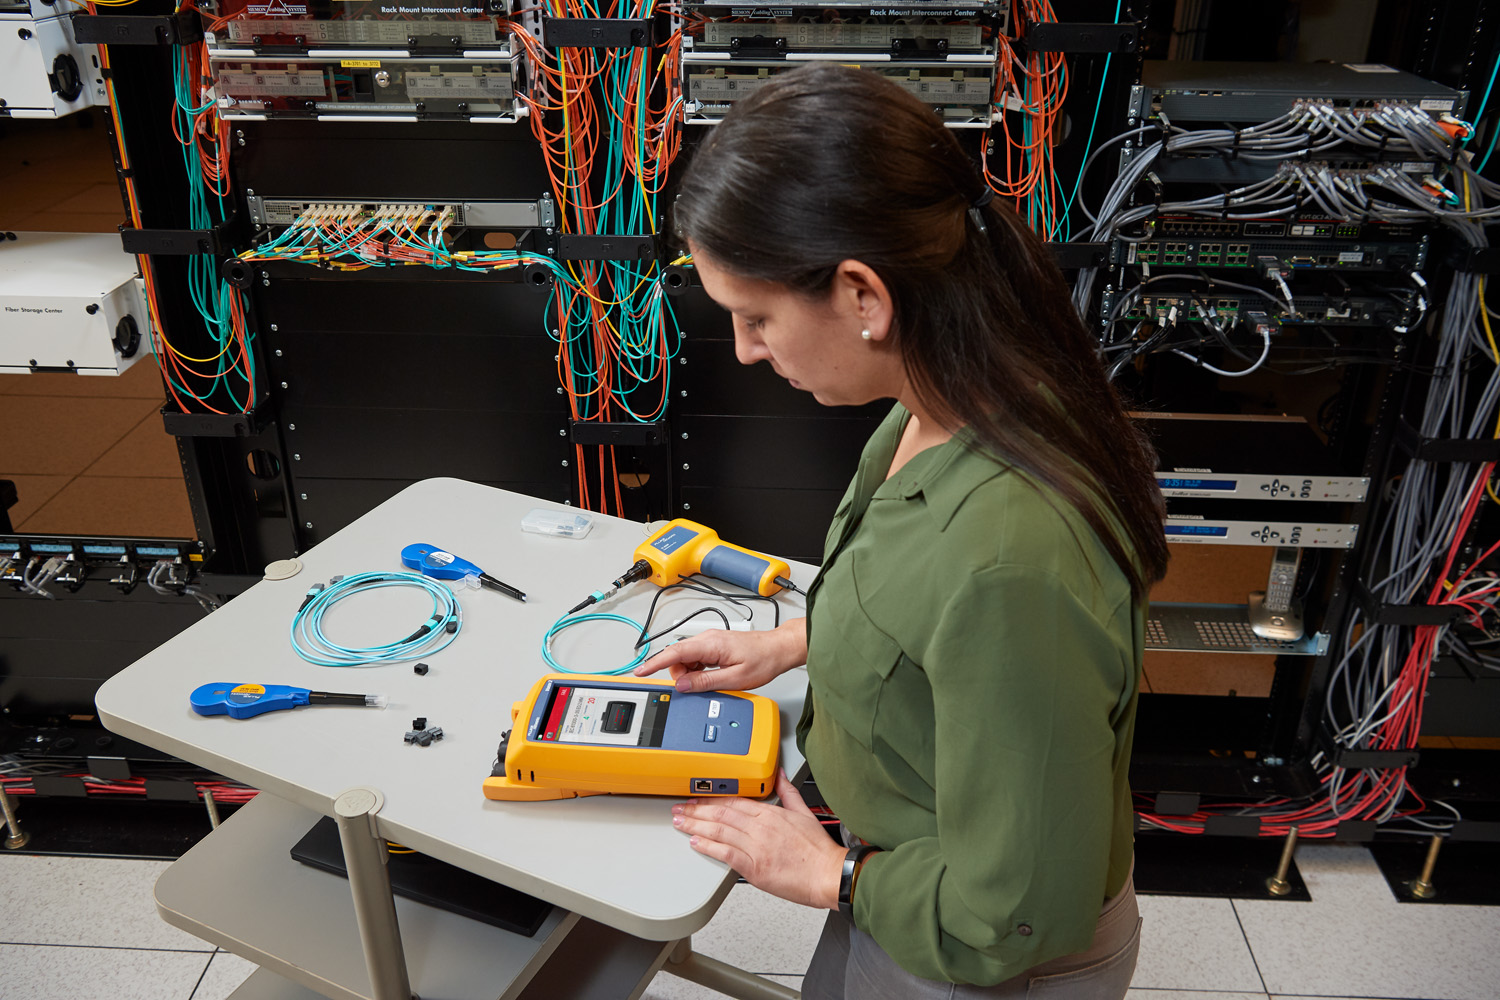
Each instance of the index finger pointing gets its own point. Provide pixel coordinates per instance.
(687, 651)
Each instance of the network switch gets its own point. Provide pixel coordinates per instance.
(1292, 254)
(1223, 306)
(1218, 92)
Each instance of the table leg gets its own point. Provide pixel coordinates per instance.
(15, 838)
(365, 856)
(721, 976)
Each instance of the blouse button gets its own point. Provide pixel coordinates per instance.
(1024, 930)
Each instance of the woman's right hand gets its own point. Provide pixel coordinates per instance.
(745, 660)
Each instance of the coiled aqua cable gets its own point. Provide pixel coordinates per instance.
(434, 635)
(568, 621)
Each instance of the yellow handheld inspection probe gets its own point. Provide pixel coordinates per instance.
(681, 548)
(585, 734)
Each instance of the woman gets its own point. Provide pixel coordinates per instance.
(973, 642)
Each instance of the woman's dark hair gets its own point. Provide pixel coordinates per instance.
(827, 164)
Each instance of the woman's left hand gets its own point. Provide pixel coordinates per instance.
(781, 849)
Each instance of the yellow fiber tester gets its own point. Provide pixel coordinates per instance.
(586, 734)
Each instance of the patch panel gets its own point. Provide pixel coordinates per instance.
(286, 27)
(385, 88)
(784, 35)
(959, 88)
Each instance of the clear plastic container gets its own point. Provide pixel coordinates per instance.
(565, 523)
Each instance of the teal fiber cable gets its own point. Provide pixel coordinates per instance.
(434, 635)
(568, 622)
(1089, 143)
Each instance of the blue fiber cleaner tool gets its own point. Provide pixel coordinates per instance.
(245, 701)
(440, 564)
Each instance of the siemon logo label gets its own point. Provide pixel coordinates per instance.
(276, 8)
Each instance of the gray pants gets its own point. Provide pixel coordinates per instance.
(849, 965)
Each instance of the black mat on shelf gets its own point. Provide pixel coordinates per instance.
(436, 883)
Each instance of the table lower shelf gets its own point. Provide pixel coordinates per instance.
(240, 889)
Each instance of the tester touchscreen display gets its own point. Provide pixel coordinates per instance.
(606, 717)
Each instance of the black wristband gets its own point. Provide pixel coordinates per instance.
(852, 861)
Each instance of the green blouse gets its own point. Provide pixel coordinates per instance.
(974, 656)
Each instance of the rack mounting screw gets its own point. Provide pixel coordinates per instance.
(684, 435)
(274, 328)
(303, 496)
(562, 432)
(565, 463)
(291, 427)
(283, 385)
(296, 458)
(684, 466)
(687, 506)
(307, 524)
(682, 393)
(278, 354)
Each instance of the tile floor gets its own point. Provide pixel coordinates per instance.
(86, 928)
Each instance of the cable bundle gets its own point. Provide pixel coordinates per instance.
(1333, 188)
(610, 159)
(229, 385)
(1036, 87)
(432, 636)
(1377, 685)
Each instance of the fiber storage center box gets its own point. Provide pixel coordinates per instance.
(70, 302)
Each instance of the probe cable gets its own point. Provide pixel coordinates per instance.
(644, 638)
(434, 635)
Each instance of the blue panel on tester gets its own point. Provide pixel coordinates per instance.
(693, 714)
(674, 539)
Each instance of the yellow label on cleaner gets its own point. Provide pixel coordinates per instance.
(360, 63)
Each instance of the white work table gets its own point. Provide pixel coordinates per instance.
(613, 859)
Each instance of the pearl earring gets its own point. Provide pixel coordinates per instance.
(865, 334)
